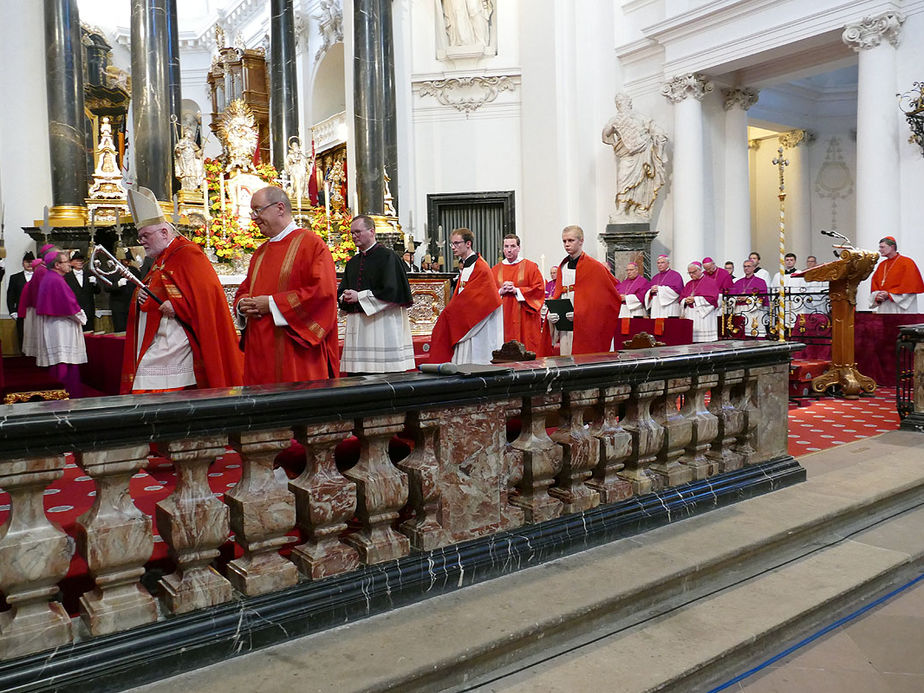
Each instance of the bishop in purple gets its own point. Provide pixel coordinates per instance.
(663, 295)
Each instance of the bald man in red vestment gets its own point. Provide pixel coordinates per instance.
(289, 299)
(896, 281)
(522, 291)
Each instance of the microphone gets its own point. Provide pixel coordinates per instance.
(440, 368)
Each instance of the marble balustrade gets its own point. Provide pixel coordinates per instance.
(491, 453)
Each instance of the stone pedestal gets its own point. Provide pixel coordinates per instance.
(630, 242)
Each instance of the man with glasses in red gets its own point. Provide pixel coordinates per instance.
(288, 302)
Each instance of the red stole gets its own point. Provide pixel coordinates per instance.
(521, 319)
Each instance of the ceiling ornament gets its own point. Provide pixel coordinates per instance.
(741, 98)
(467, 94)
(682, 87)
(870, 31)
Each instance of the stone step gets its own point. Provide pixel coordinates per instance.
(628, 586)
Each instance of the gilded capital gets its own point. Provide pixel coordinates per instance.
(685, 86)
(870, 31)
(741, 98)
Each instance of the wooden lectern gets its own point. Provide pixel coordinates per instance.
(843, 276)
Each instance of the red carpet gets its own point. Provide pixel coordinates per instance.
(818, 424)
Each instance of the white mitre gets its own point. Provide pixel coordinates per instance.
(144, 208)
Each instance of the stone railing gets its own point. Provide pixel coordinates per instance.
(504, 470)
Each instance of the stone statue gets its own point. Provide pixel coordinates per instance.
(188, 163)
(297, 168)
(640, 150)
(468, 22)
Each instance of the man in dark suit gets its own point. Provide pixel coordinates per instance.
(85, 288)
(120, 297)
(407, 261)
(14, 289)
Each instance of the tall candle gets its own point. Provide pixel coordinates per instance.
(327, 205)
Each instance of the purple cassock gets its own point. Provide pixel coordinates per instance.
(722, 279)
(637, 287)
(703, 287)
(750, 285)
(669, 278)
(30, 290)
(55, 297)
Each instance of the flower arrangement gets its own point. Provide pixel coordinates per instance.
(232, 240)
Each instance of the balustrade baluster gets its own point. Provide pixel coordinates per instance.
(541, 459)
(423, 474)
(381, 490)
(115, 539)
(511, 515)
(615, 445)
(34, 556)
(678, 431)
(262, 511)
(580, 453)
(647, 437)
(324, 501)
(194, 523)
(704, 427)
(746, 402)
(730, 420)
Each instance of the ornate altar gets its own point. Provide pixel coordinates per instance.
(844, 275)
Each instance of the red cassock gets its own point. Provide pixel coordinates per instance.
(298, 272)
(183, 275)
(596, 306)
(466, 309)
(521, 318)
(898, 276)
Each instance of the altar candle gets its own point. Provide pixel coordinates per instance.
(327, 204)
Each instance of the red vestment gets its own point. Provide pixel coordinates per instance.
(596, 305)
(466, 309)
(183, 275)
(298, 272)
(898, 276)
(521, 318)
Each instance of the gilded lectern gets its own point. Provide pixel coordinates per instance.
(843, 276)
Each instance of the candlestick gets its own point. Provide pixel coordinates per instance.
(327, 205)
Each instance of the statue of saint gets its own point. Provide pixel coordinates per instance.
(468, 22)
(188, 163)
(640, 150)
(297, 168)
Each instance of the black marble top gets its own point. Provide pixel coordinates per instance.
(45, 428)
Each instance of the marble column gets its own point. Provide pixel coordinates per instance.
(878, 203)
(64, 87)
(389, 112)
(369, 104)
(173, 67)
(686, 92)
(737, 231)
(151, 97)
(284, 84)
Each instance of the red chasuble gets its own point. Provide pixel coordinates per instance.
(898, 276)
(183, 275)
(521, 318)
(596, 305)
(298, 272)
(466, 309)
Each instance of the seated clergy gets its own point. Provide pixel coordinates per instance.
(700, 299)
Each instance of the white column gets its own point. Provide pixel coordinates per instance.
(735, 243)
(686, 92)
(878, 198)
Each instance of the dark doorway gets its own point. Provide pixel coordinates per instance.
(489, 215)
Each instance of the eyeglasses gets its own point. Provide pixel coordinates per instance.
(254, 213)
(455, 243)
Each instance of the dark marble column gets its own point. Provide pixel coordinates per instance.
(64, 86)
(369, 104)
(173, 63)
(284, 96)
(151, 97)
(389, 112)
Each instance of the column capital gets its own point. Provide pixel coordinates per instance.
(870, 31)
(682, 87)
(740, 97)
